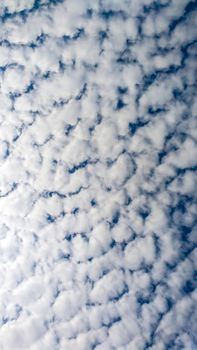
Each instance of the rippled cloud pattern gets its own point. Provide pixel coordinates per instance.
(98, 160)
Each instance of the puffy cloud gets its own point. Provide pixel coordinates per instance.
(97, 175)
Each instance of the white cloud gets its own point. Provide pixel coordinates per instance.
(97, 175)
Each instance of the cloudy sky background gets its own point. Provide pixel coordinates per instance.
(98, 154)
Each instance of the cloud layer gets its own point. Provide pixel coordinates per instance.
(98, 156)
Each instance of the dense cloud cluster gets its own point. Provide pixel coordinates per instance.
(98, 159)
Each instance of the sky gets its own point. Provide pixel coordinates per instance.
(98, 160)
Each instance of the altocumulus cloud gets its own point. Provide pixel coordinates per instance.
(98, 159)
